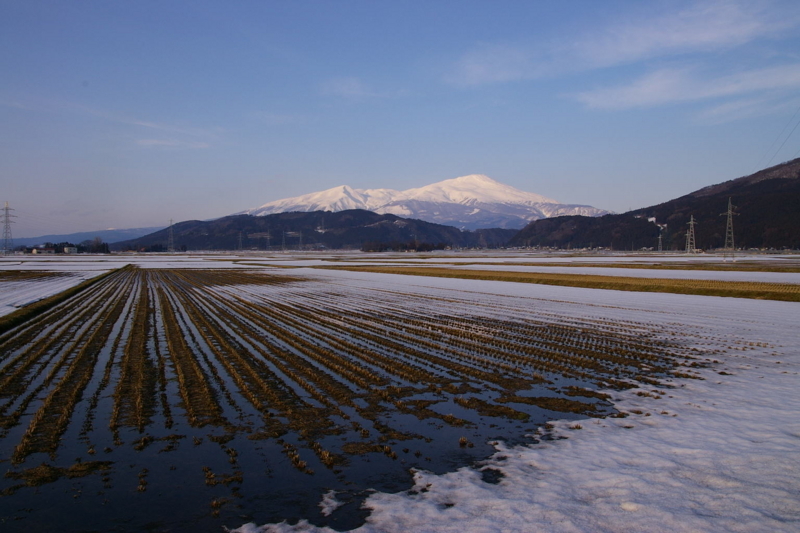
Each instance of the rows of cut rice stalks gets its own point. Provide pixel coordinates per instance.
(173, 356)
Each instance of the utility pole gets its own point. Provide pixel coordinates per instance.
(729, 232)
(240, 241)
(283, 241)
(691, 246)
(659, 241)
(8, 242)
(171, 239)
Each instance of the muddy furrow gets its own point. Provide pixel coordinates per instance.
(41, 375)
(51, 420)
(134, 396)
(46, 336)
(199, 400)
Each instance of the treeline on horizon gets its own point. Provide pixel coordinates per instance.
(93, 246)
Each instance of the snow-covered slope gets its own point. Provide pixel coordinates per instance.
(469, 189)
(335, 199)
(470, 202)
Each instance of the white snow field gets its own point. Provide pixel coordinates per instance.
(16, 294)
(709, 275)
(719, 454)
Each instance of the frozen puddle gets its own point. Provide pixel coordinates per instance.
(721, 454)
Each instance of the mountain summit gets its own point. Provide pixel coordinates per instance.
(469, 202)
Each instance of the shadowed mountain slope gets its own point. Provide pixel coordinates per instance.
(315, 230)
(767, 206)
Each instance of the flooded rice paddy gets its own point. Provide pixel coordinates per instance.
(192, 399)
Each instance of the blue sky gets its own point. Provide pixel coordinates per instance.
(128, 114)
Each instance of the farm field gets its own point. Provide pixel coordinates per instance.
(24, 287)
(200, 392)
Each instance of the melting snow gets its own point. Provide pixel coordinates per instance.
(720, 454)
(329, 503)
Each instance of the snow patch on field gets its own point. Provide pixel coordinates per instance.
(728, 461)
(708, 275)
(329, 503)
(720, 454)
(16, 294)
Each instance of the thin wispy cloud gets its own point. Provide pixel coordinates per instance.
(701, 28)
(707, 26)
(347, 87)
(181, 137)
(497, 63)
(194, 132)
(15, 105)
(164, 127)
(352, 88)
(666, 86)
(50, 106)
(745, 108)
(280, 119)
(171, 144)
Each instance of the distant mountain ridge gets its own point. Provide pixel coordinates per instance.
(107, 235)
(316, 230)
(469, 202)
(767, 216)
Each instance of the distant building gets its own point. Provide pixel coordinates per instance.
(70, 249)
(44, 250)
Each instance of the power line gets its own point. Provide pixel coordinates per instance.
(796, 153)
(784, 142)
(776, 140)
(171, 241)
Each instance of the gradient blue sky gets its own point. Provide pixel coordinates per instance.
(127, 114)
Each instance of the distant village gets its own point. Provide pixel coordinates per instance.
(94, 246)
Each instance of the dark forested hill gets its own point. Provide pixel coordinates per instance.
(767, 203)
(315, 230)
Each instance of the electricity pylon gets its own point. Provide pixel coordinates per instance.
(690, 241)
(171, 239)
(729, 232)
(8, 242)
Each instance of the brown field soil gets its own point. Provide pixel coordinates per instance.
(735, 289)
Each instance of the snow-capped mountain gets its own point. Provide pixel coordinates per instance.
(469, 202)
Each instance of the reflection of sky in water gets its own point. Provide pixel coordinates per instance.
(271, 489)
